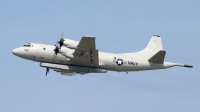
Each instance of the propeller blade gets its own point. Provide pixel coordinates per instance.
(62, 34)
(54, 57)
(61, 42)
(47, 71)
(57, 49)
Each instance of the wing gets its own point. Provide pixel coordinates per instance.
(86, 52)
(87, 42)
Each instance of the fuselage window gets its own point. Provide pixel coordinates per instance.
(44, 48)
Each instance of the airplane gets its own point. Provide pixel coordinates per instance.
(70, 57)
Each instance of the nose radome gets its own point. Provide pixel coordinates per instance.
(16, 51)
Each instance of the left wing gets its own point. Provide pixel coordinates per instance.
(86, 51)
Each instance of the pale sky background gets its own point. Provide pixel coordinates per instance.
(119, 26)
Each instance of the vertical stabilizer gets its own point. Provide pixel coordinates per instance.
(153, 47)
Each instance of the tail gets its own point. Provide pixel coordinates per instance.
(154, 45)
(153, 52)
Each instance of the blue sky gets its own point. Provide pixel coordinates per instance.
(119, 26)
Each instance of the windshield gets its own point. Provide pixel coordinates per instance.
(28, 45)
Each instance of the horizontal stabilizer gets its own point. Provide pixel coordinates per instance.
(158, 57)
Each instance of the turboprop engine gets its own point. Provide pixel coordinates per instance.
(72, 44)
(68, 53)
(68, 50)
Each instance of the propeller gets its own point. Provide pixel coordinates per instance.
(47, 71)
(56, 51)
(61, 40)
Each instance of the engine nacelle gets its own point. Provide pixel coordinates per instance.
(68, 53)
(70, 43)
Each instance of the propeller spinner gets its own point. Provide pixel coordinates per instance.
(56, 50)
(61, 42)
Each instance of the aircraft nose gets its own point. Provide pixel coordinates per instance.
(16, 51)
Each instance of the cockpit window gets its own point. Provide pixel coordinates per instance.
(27, 45)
